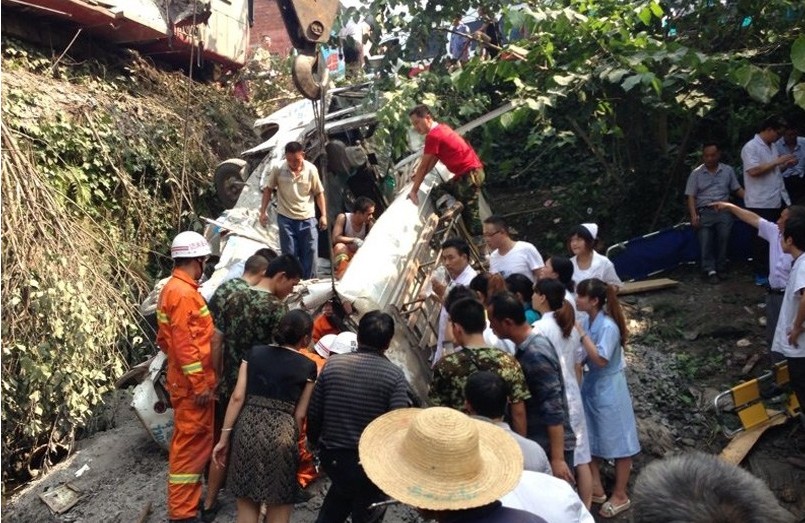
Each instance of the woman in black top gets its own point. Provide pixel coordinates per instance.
(264, 416)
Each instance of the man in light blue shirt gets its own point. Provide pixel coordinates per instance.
(765, 190)
(459, 44)
(793, 175)
(711, 182)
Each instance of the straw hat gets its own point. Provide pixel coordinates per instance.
(323, 345)
(344, 342)
(439, 458)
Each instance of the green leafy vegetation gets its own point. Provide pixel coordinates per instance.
(99, 172)
(614, 99)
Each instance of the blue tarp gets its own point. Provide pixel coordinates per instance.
(668, 248)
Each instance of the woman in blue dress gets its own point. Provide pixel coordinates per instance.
(607, 405)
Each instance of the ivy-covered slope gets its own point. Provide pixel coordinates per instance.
(104, 158)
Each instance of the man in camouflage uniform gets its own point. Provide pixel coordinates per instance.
(253, 272)
(450, 375)
(248, 317)
(548, 418)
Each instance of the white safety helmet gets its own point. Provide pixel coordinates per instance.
(322, 346)
(189, 244)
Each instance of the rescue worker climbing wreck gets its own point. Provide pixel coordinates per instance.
(185, 333)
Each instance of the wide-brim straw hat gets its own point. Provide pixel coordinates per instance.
(439, 458)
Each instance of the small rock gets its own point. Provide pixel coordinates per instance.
(689, 442)
(655, 439)
(691, 335)
(708, 397)
(761, 321)
(743, 342)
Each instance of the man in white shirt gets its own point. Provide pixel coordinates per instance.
(789, 337)
(486, 398)
(456, 262)
(351, 37)
(779, 261)
(765, 190)
(548, 497)
(794, 174)
(508, 256)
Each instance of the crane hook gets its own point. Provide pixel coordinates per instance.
(310, 74)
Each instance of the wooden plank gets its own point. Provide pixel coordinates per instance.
(634, 287)
(739, 447)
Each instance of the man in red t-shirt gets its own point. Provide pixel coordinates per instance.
(445, 145)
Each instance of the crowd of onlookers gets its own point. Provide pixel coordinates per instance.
(528, 398)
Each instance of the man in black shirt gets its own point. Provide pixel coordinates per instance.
(352, 390)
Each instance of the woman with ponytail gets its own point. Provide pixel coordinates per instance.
(605, 394)
(557, 324)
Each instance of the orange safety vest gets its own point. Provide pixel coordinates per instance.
(185, 331)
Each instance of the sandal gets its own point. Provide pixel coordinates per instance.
(599, 499)
(608, 510)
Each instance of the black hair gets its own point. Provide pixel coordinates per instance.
(293, 147)
(459, 292)
(563, 267)
(363, 204)
(268, 254)
(554, 293)
(488, 284)
(487, 394)
(287, 263)
(522, 285)
(774, 122)
(795, 229)
(255, 264)
(582, 232)
(375, 330)
(420, 111)
(498, 222)
(705, 145)
(506, 306)
(458, 244)
(607, 295)
(293, 327)
(470, 314)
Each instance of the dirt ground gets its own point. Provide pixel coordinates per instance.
(689, 343)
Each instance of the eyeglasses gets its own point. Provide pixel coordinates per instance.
(490, 234)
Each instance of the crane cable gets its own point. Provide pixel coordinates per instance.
(319, 111)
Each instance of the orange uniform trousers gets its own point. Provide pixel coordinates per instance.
(307, 473)
(190, 450)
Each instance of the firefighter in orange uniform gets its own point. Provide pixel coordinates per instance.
(185, 331)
